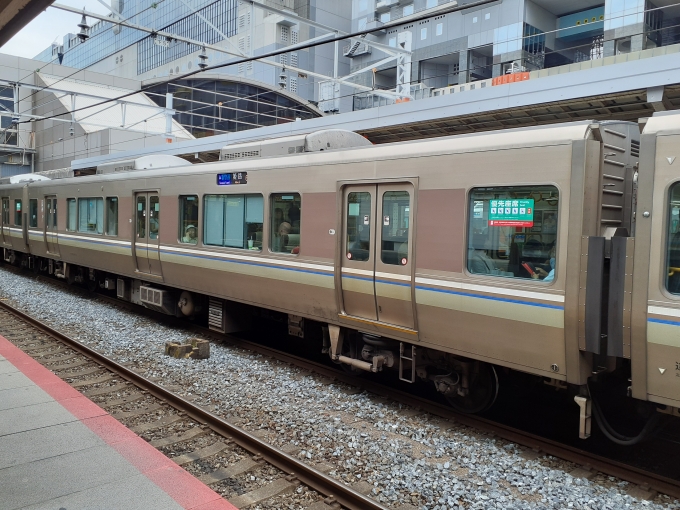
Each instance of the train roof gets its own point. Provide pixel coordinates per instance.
(546, 135)
(662, 123)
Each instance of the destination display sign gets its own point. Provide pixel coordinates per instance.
(232, 178)
(511, 213)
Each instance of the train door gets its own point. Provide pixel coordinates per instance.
(377, 247)
(147, 226)
(51, 239)
(4, 221)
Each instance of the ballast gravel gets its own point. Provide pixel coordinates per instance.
(398, 456)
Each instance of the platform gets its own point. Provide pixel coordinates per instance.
(59, 450)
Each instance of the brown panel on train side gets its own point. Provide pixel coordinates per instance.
(281, 295)
(318, 217)
(168, 220)
(441, 229)
(124, 212)
(532, 346)
(663, 369)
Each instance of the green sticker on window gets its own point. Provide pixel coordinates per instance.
(511, 213)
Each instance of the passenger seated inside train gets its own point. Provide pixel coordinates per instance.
(190, 235)
(512, 232)
(285, 223)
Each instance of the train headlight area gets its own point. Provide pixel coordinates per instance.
(551, 251)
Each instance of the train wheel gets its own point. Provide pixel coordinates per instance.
(483, 391)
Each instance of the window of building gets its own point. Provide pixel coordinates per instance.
(188, 219)
(440, 28)
(285, 222)
(294, 36)
(408, 10)
(233, 221)
(363, 5)
(285, 31)
(5, 211)
(474, 19)
(385, 17)
(154, 216)
(294, 59)
(91, 215)
(112, 216)
(423, 34)
(362, 24)
(358, 235)
(283, 58)
(17, 212)
(33, 212)
(293, 85)
(431, 3)
(396, 211)
(487, 15)
(71, 214)
(512, 231)
(393, 42)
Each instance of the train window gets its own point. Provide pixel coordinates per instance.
(5, 211)
(111, 216)
(673, 241)
(234, 221)
(512, 231)
(285, 222)
(71, 214)
(141, 217)
(91, 215)
(358, 228)
(17, 212)
(33, 212)
(154, 216)
(395, 224)
(54, 213)
(188, 219)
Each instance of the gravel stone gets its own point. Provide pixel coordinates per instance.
(408, 457)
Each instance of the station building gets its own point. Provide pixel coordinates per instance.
(506, 63)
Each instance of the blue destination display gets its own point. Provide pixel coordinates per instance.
(232, 178)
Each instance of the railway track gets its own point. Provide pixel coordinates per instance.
(645, 482)
(227, 458)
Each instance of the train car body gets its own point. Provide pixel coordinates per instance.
(442, 255)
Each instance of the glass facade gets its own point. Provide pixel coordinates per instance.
(171, 16)
(619, 13)
(209, 107)
(222, 14)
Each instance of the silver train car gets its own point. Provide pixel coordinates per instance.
(553, 251)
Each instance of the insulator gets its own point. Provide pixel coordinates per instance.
(203, 59)
(83, 35)
(283, 80)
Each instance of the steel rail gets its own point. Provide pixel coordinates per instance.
(313, 478)
(529, 440)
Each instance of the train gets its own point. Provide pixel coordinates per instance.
(552, 251)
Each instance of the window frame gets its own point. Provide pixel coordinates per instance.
(665, 252)
(32, 201)
(270, 231)
(68, 215)
(106, 216)
(199, 200)
(103, 215)
(18, 220)
(202, 219)
(7, 210)
(557, 245)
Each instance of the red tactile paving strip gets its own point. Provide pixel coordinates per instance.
(184, 488)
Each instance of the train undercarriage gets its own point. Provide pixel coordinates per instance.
(468, 385)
